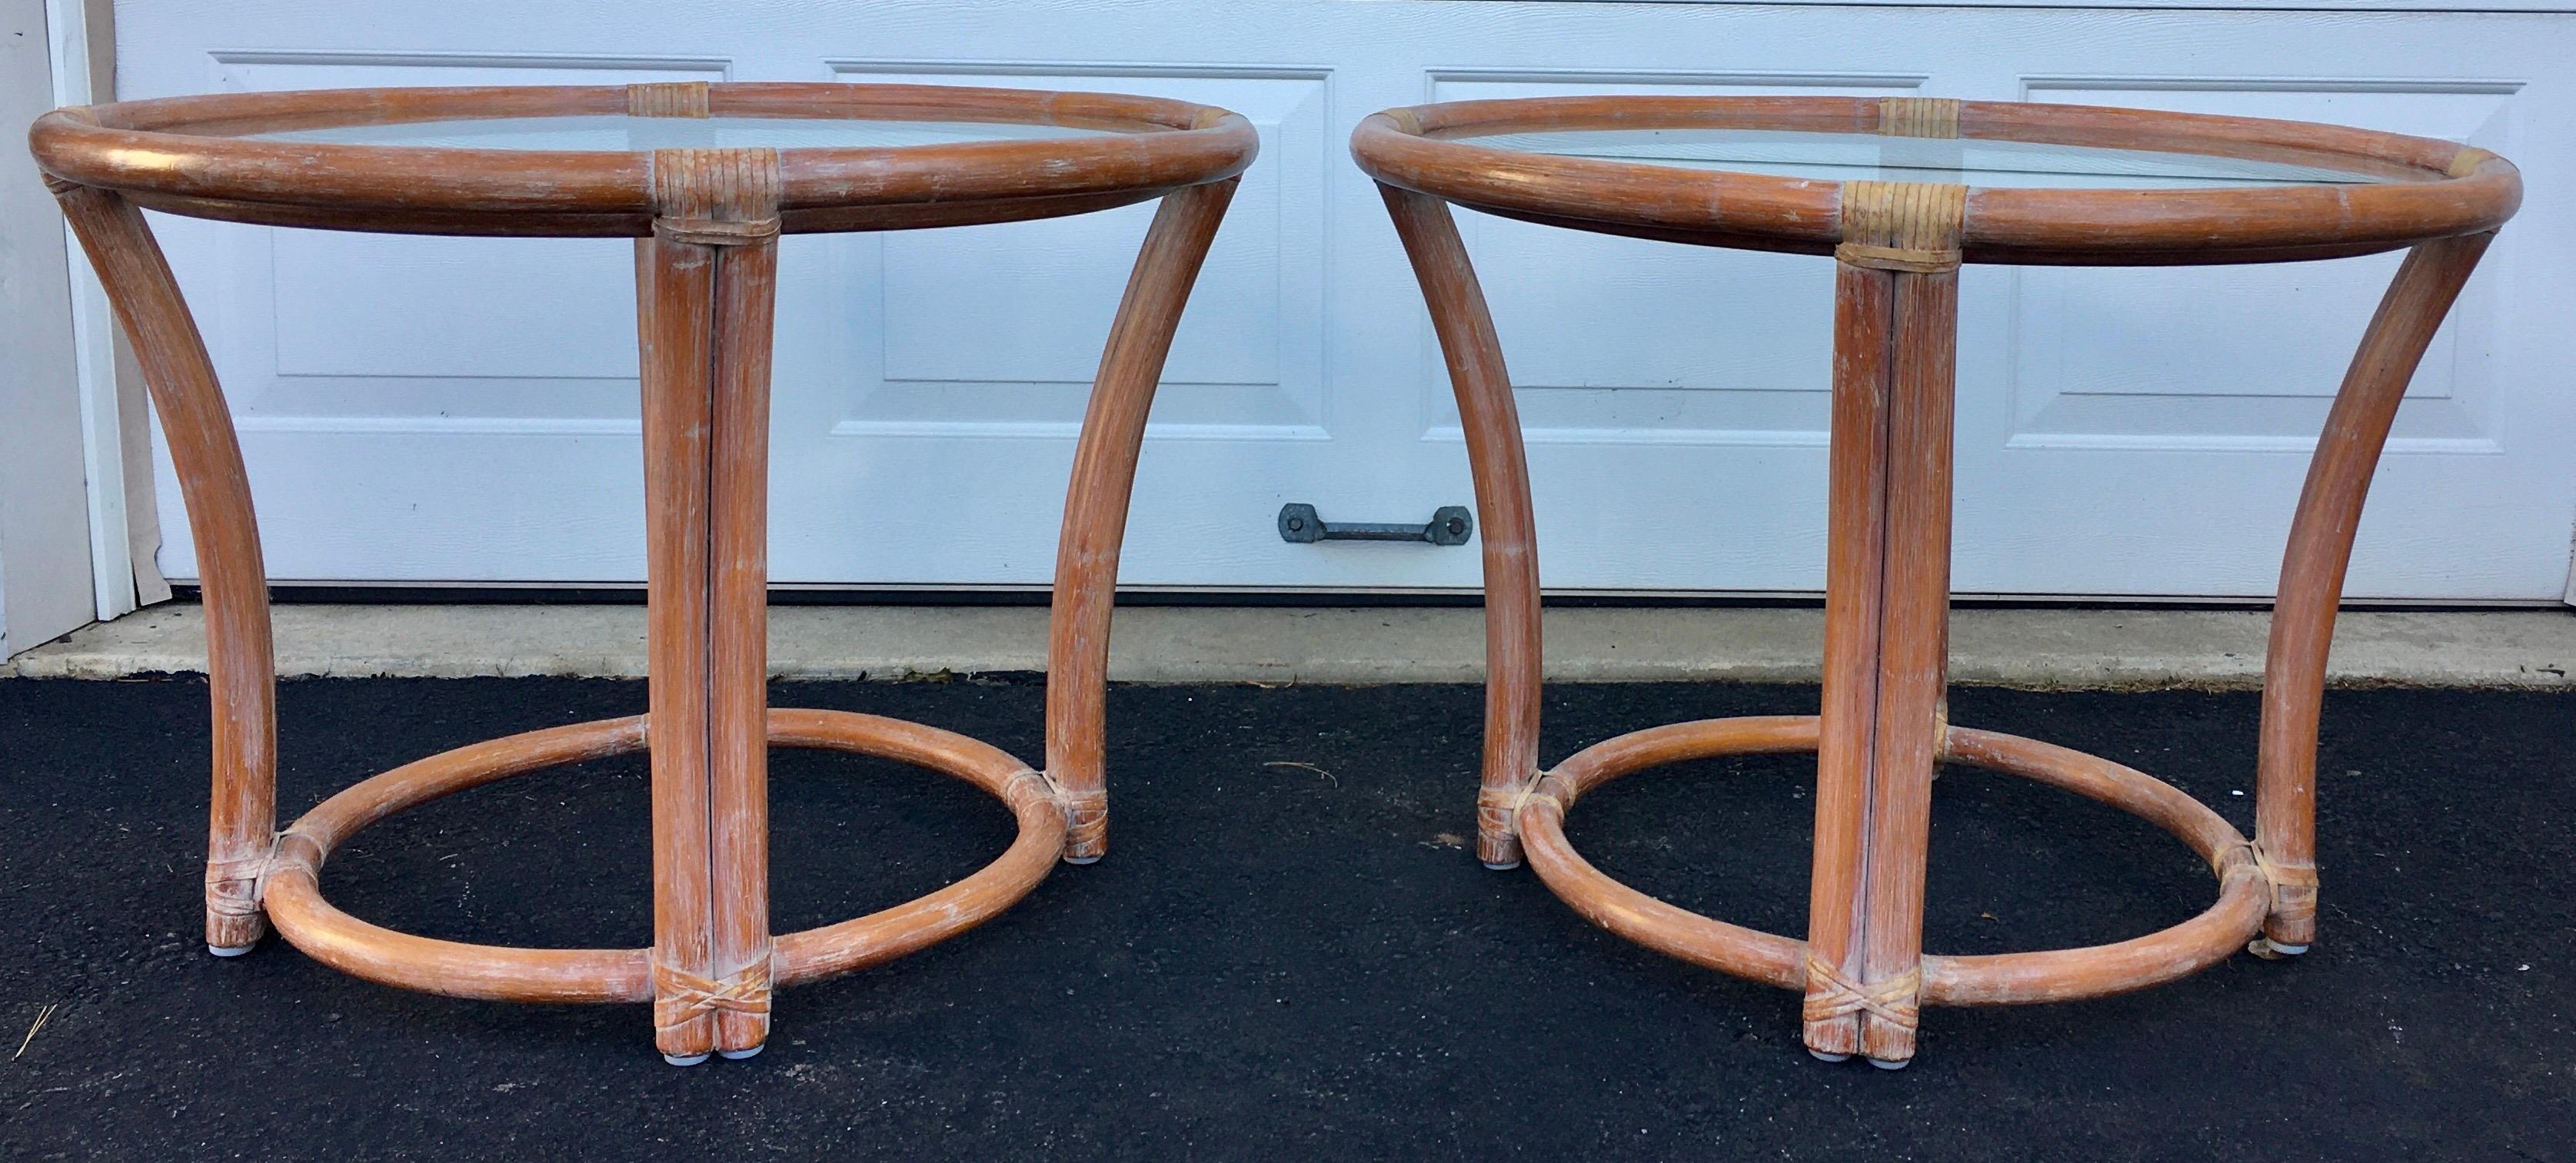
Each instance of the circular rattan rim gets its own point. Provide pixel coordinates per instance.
(185, 155)
(292, 891)
(1430, 149)
(2006, 979)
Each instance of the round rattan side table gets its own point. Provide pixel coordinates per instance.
(1901, 192)
(704, 177)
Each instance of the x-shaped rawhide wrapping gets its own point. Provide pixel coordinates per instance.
(1086, 820)
(680, 996)
(233, 886)
(2294, 887)
(1831, 995)
(1499, 808)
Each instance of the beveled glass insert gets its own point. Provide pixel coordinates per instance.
(1842, 157)
(621, 133)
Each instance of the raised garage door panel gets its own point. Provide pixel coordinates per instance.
(2184, 401)
(464, 410)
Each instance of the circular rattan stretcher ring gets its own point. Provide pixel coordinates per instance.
(2007, 979)
(293, 897)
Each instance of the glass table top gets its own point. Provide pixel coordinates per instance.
(1840, 157)
(621, 133)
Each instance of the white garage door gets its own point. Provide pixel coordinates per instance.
(464, 410)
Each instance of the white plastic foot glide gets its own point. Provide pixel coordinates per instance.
(1506, 866)
(1891, 1063)
(684, 1059)
(2265, 948)
(228, 950)
(1082, 860)
(1826, 1056)
(739, 1055)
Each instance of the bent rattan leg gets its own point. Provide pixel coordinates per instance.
(1504, 516)
(1095, 507)
(240, 660)
(706, 282)
(2312, 574)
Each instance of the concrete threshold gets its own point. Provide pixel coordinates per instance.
(2036, 648)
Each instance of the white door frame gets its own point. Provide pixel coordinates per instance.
(45, 578)
(80, 37)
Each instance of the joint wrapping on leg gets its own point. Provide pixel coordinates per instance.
(1498, 809)
(234, 889)
(233, 886)
(1896, 1000)
(1902, 226)
(716, 197)
(2294, 897)
(1498, 824)
(681, 997)
(1086, 821)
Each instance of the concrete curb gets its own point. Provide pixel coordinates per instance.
(2033, 648)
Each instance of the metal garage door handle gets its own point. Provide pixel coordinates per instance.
(1450, 525)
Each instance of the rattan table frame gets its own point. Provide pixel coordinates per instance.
(1885, 722)
(706, 223)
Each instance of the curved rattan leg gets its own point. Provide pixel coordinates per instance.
(240, 661)
(1504, 518)
(706, 282)
(2312, 574)
(1095, 507)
